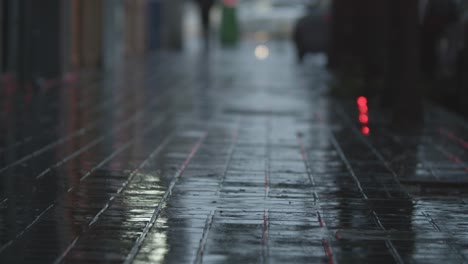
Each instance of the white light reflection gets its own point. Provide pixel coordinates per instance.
(141, 210)
(158, 241)
(262, 52)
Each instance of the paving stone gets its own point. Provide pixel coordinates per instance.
(221, 158)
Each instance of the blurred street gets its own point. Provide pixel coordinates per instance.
(226, 157)
(131, 133)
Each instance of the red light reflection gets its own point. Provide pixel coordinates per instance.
(363, 118)
(363, 109)
(365, 130)
(362, 101)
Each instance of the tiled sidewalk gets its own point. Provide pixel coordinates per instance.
(222, 158)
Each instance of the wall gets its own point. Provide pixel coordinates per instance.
(113, 41)
(2, 38)
(135, 27)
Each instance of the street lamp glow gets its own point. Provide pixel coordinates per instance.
(262, 52)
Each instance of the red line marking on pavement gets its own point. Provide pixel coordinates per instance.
(112, 198)
(193, 151)
(264, 234)
(452, 157)
(328, 252)
(231, 153)
(301, 147)
(325, 244)
(138, 243)
(455, 159)
(453, 137)
(69, 190)
(319, 217)
(305, 158)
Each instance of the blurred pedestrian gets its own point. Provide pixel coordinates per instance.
(205, 7)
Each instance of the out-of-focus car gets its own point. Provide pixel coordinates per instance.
(311, 32)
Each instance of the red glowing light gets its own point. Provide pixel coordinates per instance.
(363, 118)
(362, 101)
(363, 109)
(365, 130)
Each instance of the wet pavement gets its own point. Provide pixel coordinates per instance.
(220, 157)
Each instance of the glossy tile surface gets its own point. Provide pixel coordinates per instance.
(222, 157)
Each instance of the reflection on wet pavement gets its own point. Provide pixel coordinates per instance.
(222, 157)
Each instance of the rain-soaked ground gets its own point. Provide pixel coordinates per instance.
(220, 157)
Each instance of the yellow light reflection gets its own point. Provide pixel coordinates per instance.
(156, 242)
(262, 52)
(261, 36)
